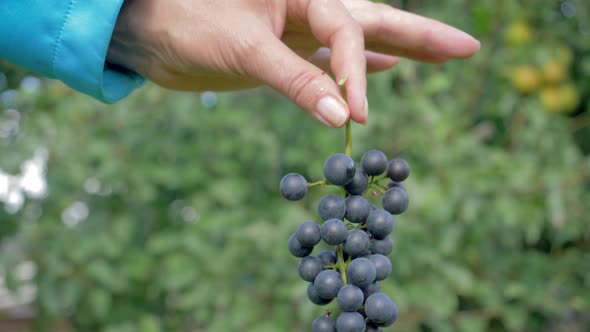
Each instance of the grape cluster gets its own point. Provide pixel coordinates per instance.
(359, 233)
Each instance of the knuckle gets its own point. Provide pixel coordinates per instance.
(382, 7)
(304, 81)
(357, 30)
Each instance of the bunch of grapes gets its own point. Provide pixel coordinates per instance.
(360, 235)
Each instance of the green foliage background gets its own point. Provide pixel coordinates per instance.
(188, 231)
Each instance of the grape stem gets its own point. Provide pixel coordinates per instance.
(317, 183)
(342, 264)
(348, 144)
(379, 186)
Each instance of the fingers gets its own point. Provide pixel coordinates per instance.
(305, 84)
(375, 62)
(379, 62)
(331, 24)
(406, 34)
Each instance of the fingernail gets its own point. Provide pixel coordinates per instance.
(366, 111)
(462, 35)
(463, 44)
(331, 112)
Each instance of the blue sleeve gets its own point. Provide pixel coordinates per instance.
(67, 40)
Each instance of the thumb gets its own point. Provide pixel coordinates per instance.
(305, 84)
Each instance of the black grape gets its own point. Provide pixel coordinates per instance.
(361, 272)
(332, 207)
(327, 257)
(314, 297)
(351, 322)
(357, 243)
(358, 184)
(374, 162)
(357, 208)
(308, 234)
(328, 283)
(334, 231)
(293, 186)
(382, 266)
(380, 309)
(383, 247)
(395, 200)
(339, 169)
(323, 324)
(398, 170)
(371, 289)
(296, 249)
(350, 298)
(309, 267)
(380, 223)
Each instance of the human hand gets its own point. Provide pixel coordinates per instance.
(199, 45)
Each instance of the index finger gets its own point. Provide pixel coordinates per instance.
(332, 25)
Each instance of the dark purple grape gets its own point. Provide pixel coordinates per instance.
(332, 207)
(390, 321)
(371, 289)
(382, 266)
(395, 200)
(393, 184)
(309, 267)
(373, 328)
(374, 162)
(398, 170)
(357, 243)
(358, 184)
(293, 186)
(383, 247)
(339, 169)
(350, 322)
(314, 297)
(361, 272)
(296, 249)
(380, 309)
(357, 208)
(328, 283)
(350, 298)
(308, 234)
(323, 324)
(327, 257)
(334, 231)
(380, 223)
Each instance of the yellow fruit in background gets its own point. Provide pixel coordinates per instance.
(550, 99)
(526, 78)
(565, 55)
(518, 33)
(554, 71)
(570, 97)
(562, 98)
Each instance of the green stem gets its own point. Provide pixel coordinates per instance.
(380, 178)
(348, 145)
(380, 186)
(342, 264)
(317, 183)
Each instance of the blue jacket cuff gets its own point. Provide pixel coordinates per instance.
(79, 57)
